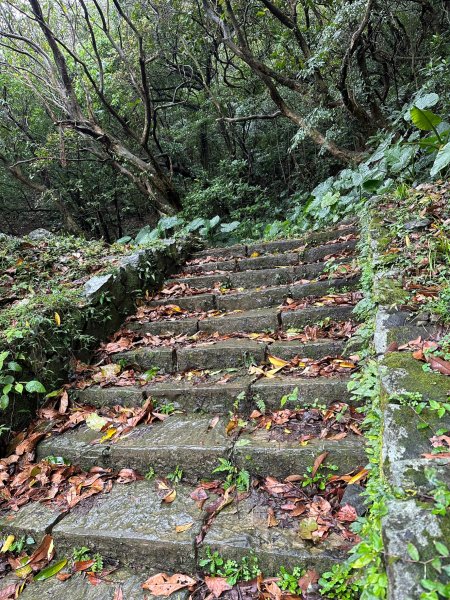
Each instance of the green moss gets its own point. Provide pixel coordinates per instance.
(406, 374)
(388, 292)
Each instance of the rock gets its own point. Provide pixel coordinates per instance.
(416, 224)
(353, 495)
(40, 234)
(97, 285)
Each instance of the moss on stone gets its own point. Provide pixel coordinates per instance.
(405, 374)
(388, 292)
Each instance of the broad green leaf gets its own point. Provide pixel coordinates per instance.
(35, 387)
(50, 571)
(427, 100)
(4, 402)
(442, 160)
(214, 221)
(196, 224)
(441, 548)
(169, 222)
(13, 366)
(412, 551)
(3, 357)
(229, 227)
(124, 240)
(425, 120)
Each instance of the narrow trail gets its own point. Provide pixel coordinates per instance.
(259, 342)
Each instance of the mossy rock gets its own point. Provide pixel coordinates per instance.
(388, 292)
(404, 374)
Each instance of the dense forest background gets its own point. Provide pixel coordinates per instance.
(273, 116)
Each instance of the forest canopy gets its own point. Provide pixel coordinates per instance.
(116, 113)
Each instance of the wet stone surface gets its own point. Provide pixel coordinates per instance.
(134, 526)
(264, 454)
(33, 520)
(242, 527)
(222, 355)
(247, 321)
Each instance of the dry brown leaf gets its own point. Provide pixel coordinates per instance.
(217, 585)
(165, 585)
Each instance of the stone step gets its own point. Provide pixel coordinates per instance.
(188, 442)
(79, 586)
(233, 353)
(219, 398)
(255, 278)
(298, 319)
(270, 261)
(248, 321)
(132, 525)
(257, 298)
(240, 529)
(277, 246)
(275, 296)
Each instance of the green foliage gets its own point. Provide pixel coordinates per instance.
(233, 475)
(176, 475)
(10, 385)
(233, 571)
(288, 580)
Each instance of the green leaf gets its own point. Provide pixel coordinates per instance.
(442, 160)
(214, 221)
(196, 224)
(413, 552)
(18, 387)
(427, 100)
(441, 548)
(3, 357)
(425, 120)
(4, 402)
(169, 222)
(35, 387)
(124, 240)
(229, 227)
(13, 366)
(50, 571)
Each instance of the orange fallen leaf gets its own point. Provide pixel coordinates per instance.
(217, 585)
(165, 585)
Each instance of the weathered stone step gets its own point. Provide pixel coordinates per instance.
(184, 441)
(233, 353)
(217, 398)
(298, 319)
(255, 278)
(191, 444)
(257, 298)
(249, 321)
(78, 586)
(132, 525)
(277, 246)
(239, 529)
(270, 261)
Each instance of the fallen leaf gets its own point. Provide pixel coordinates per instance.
(165, 585)
(118, 594)
(277, 362)
(8, 543)
(95, 422)
(438, 364)
(347, 513)
(307, 527)
(51, 570)
(217, 585)
(185, 527)
(308, 579)
(319, 460)
(170, 497)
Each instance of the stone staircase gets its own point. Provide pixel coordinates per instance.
(242, 291)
